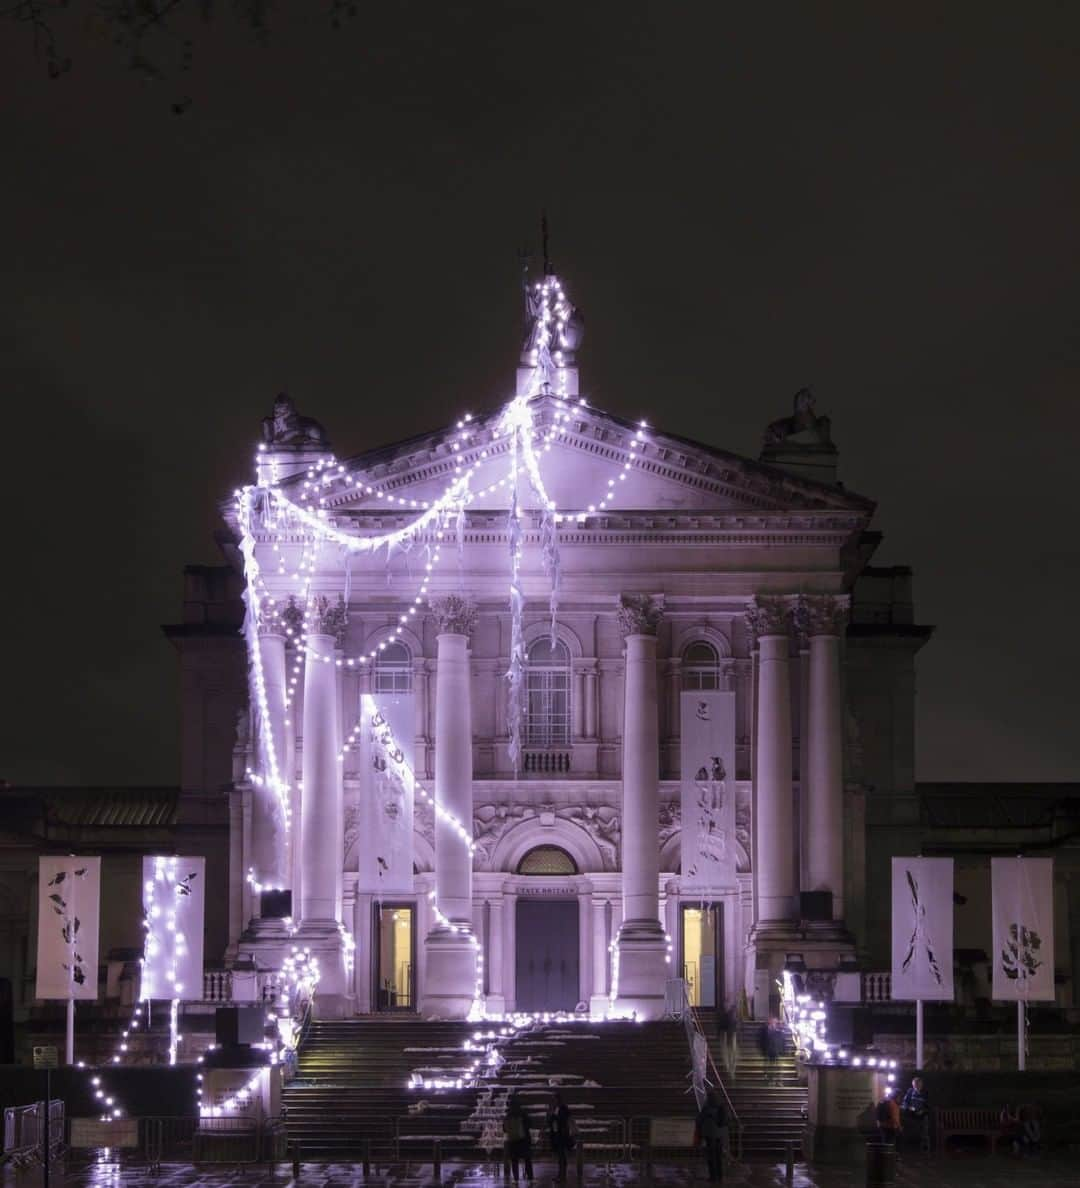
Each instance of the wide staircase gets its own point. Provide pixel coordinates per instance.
(352, 1090)
(771, 1102)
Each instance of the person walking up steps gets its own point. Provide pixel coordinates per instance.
(518, 1131)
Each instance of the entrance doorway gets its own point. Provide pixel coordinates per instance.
(702, 931)
(547, 955)
(395, 945)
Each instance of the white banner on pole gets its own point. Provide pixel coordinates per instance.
(384, 809)
(707, 752)
(1023, 909)
(922, 929)
(69, 908)
(174, 899)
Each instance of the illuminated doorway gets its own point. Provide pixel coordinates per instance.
(702, 949)
(396, 940)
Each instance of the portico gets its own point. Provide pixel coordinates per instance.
(444, 727)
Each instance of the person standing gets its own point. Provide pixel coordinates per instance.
(712, 1129)
(915, 1109)
(888, 1120)
(517, 1127)
(560, 1132)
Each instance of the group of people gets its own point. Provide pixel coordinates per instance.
(912, 1113)
(1021, 1127)
(517, 1132)
(710, 1132)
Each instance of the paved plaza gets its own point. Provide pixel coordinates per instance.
(959, 1172)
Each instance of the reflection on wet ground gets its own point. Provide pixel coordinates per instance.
(916, 1172)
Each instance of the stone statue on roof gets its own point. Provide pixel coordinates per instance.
(288, 428)
(803, 427)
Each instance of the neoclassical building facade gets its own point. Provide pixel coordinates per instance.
(532, 852)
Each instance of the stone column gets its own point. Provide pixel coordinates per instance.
(774, 823)
(598, 1001)
(642, 969)
(578, 704)
(496, 999)
(451, 951)
(269, 835)
(591, 711)
(585, 946)
(509, 986)
(321, 810)
(824, 799)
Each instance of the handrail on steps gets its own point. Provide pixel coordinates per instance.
(694, 1029)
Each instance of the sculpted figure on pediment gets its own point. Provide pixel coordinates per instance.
(670, 820)
(742, 821)
(804, 427)
(491, 821)
(286, 427)
(602, 825)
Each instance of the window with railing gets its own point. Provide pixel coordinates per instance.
(547, 694)
(700, 666)
(393, 670)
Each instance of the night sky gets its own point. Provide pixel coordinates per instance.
(878, 201)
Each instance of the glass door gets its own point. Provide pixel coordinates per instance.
(394, 924)
(702, 964)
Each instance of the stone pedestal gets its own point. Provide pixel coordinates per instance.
(642, 947)
(450, 980)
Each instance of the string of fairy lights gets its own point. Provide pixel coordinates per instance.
(297, 529)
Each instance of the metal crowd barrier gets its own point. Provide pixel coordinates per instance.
(24, 1131)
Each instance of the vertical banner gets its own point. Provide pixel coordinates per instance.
(174, 899)
(1023, 909)
(922, 929)
(385, 806)
(707, 751)
(69, 909)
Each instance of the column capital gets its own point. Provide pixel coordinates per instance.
(768, 614)
(454, 614)
(639, 614)
(822, 614)
(292, 616)
(328, 618)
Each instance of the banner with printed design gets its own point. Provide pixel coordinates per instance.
(707, 751)
(922, 929)
(69, 909)
(174, 906)
(383, 842)
(1022, 891)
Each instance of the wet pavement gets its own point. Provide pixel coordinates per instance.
(917, 1172)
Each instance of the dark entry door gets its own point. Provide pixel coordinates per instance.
(547, 954)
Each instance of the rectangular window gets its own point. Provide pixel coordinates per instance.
(547, 713)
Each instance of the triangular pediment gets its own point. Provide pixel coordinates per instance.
(586, 454)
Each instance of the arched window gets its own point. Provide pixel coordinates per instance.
(700, 666)
(547, 694)
(393, 669)
(547, 860)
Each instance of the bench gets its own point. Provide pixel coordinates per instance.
(958, 1120)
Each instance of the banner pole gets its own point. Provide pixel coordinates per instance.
(919, 1035)
(69, 1046)
(1021, 1044)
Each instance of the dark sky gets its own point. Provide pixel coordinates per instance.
(878, 200)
